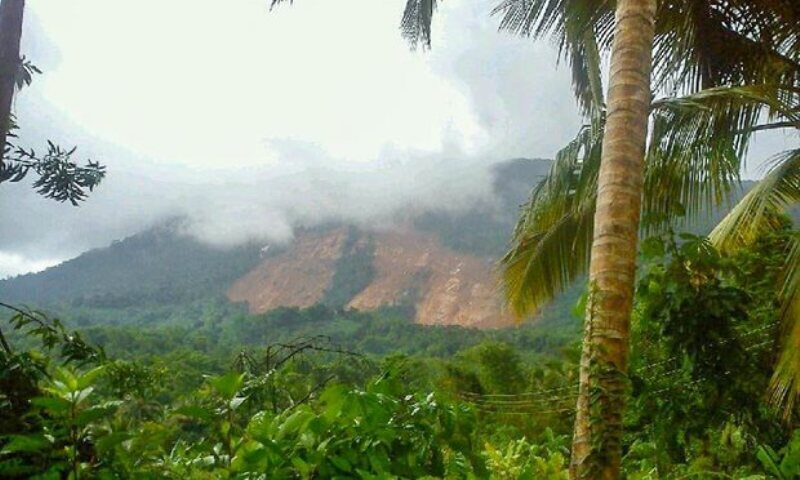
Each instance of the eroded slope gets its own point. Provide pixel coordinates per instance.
(409, 268)
(296, 277)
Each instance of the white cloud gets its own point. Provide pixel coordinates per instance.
(13, 264)
(211, 83)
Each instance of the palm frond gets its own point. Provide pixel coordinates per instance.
(701, 44)
(730, 110)
(696, 149)
(693, 163)
(534, 274)
(754, 215)
(551, 243)
(416, 23)
(580, 29)
(784, 388)
(275, 3)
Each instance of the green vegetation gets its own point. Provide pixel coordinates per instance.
(697, 336)
(159, 267)
(324, 393)
(58, 176)
(353, 271)
(639, 165)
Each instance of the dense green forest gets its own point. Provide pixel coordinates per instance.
(159, 266)
(322, 392)
(131, 363)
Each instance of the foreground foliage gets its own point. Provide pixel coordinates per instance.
(488, 405)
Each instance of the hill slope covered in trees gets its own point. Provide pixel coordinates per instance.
(447, 262)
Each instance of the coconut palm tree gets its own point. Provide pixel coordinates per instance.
(586, 214)
(596, 449)
(693, 158)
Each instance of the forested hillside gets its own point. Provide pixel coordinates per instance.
(160, 266)
(161, 274)
(438, 269)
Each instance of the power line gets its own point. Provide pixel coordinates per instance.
(510, 403)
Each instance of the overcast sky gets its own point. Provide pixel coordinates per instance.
(252, 122)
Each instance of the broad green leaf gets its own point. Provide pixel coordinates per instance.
(768, 459)
(194, 411)
(294, 423)
(81, 395)
(112, 440)
(228, 385)
(65, 379)
(52, 404)
(301, 465)
(342, 464)
(91, 414)
(88, 378)
(25, 443)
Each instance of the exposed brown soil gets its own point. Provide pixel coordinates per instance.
(447, 287)
(297, 277)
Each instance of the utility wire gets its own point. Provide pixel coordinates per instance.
(510, 403)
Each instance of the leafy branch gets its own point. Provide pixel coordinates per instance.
(52, 333)
(59, 177)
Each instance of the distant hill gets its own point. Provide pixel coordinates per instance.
(160, 267)
(438, 268)
(157, 267)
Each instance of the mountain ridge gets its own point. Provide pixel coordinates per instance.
(436, 266)
(161, 267)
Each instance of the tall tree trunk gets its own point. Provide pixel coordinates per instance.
(10, 35)
(597, 441)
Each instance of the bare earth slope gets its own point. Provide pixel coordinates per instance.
(297, 277)
(445, 287)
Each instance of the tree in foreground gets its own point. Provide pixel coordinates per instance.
(596, 449)
(693, 45)
(697, 142)
(59, 177)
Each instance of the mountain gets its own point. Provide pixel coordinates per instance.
(438, 267)
(435, 267)
(159, 266)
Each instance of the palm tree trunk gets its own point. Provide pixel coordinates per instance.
(597, 441)
(10, 35)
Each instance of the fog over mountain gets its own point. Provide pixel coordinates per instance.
(249, 125)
